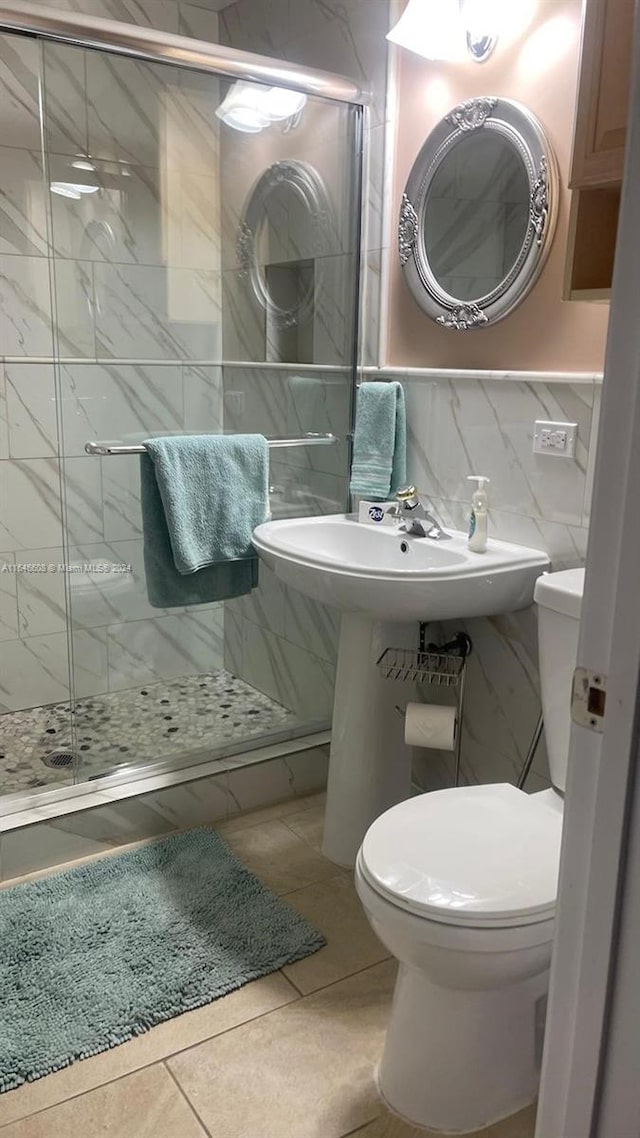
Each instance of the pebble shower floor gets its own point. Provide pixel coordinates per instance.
(154, 721)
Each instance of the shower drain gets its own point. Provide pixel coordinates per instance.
(59, 759)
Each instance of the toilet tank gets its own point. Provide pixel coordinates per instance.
(559, 600)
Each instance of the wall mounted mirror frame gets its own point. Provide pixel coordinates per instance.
(478, 213)
(302, 181)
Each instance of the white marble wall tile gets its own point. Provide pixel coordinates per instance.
(23, 220)
(203, 396)
(233, 639)
(121, 498)
(34, 671)
(120, 402)
(254, 399)
(111, 598)
(312, 626)
(466, 426)
(374, 203)
(199, 22)
(25, 307)
(19, 80)
(264, 33)
(29, 503)
(150, 115)
(138, 215)
(265, 605)
(65, 98)
(371, 286)
(146, 650)
(158, 14)
(293, 677)
(41, 595)
(31, 410)
(82, 479)
(334, 311)
(4, 421)
(8, 598)
(157, 313)
(75, 309)
(243, 321)
(279, 779)
(346, 36)
(90, 662)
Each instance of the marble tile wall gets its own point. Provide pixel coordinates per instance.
(347, 37)
(128, 275)
(276, 639)
(484, 424)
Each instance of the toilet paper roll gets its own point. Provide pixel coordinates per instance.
(427, 725)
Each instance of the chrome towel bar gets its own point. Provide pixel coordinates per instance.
(105, 449)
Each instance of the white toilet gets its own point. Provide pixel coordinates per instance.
(460, 885)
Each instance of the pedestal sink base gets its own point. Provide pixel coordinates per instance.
(370, 764)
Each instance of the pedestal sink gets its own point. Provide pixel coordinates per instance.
(380, 577)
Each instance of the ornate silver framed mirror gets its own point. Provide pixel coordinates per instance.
(283, 235)
(478, 213)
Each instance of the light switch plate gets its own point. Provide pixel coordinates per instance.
(557, 439)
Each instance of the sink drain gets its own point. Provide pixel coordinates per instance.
(59, 759)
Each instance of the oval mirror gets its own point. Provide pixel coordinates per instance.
(478, 213)
(284, 233)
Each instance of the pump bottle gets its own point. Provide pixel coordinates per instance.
(479, 514)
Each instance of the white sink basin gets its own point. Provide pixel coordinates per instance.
(390, 575)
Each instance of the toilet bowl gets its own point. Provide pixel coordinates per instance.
(460, 885)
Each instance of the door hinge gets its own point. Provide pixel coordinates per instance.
(588, 700)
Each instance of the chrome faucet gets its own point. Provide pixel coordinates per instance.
(416, 518)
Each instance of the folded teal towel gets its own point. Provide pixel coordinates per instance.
(202, 496)
(379, 465)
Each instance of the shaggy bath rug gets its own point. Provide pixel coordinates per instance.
(93, 956)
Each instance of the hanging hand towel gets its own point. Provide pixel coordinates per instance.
(202, 496)
(379, 466)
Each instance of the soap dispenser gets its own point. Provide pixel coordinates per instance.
(479, 513)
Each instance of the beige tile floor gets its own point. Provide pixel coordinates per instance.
(288, 1056)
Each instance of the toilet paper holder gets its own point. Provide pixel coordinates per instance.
(438, 668)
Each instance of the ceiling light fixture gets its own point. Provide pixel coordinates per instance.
(83, 164)
(250, 108)
(72, 189)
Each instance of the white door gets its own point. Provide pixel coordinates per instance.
(591, 1067)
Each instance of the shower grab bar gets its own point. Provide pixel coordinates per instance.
(106, 449)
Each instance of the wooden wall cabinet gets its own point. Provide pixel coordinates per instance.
(598, 149)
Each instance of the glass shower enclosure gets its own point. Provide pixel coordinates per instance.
(179, 252)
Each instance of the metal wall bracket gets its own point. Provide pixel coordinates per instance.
(588, 700)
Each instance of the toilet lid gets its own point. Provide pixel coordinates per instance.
(477, 855)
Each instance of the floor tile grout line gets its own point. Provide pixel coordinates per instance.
(364, 1125)
(159, 1060)
(184, 1050)
(186, 1098)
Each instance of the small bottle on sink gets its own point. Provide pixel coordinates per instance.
(479, 514)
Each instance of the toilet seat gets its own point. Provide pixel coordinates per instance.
(478, 856)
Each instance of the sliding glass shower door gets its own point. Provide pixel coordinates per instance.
(191, 265)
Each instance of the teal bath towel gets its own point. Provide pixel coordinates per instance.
(379, 466)
(202, 496)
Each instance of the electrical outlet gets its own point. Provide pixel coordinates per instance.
(558, 439)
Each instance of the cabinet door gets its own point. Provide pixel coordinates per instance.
(603, 93)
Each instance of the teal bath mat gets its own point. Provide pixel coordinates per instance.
(93, 956)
